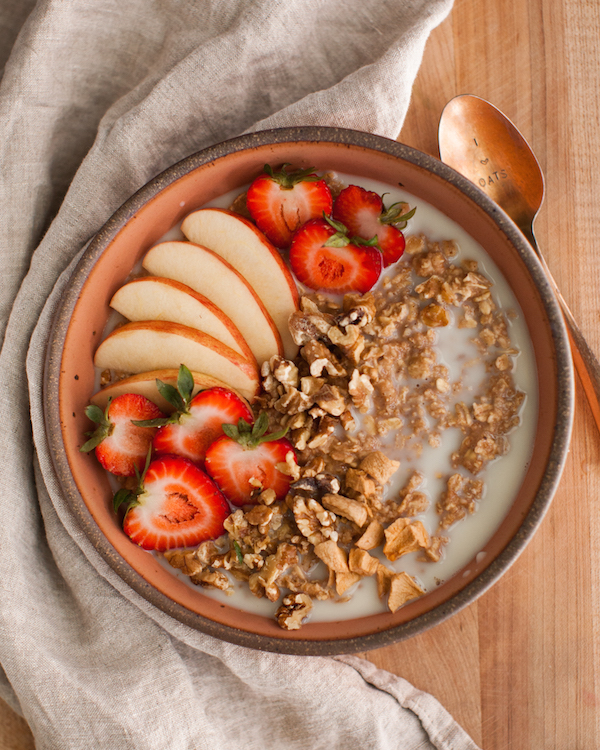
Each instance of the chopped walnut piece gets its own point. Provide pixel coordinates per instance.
(296, 581)
(290, 468)
(372, 537)
(379, 466)
(358, 310)
(319, 358)
(313, 521)
(261, 516)
(324, 431)
(309, 324)
(360, 389)
(267, 497)
(184, 560)
(361, 562)
(353, 510)
(212, 579)
(402, 588)
(332, 555)
(331, 399)
(274, 566)
(292, 402)
(293, 610)
(403, 537)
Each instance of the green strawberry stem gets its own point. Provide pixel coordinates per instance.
(104, 429)
(394, 215)
(127, 497)
(288, 179)
(250, 436)
(178, 397)
(341, 238)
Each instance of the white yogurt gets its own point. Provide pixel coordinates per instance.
(502, 477)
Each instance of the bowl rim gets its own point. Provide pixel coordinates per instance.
(552, 472)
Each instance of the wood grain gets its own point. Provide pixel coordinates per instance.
(520, 668)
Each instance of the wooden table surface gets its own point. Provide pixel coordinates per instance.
(520, 668)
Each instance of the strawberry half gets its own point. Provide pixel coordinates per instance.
(280, 202)
(175, 505)
(121, 446)
(324, 257)
(197, 422)
(363, 212)
(244, 461)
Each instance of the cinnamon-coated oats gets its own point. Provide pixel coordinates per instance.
(366, 384)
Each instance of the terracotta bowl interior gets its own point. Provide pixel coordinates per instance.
(157, 208)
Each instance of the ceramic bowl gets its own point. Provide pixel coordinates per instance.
(143, 220)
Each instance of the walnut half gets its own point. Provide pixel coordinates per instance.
(293, 610)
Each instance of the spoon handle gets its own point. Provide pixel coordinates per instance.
(584, 359)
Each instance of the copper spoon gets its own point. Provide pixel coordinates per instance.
(481, 143)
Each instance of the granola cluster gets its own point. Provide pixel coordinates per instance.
(366, 385)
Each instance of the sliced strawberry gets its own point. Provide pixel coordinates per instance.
(175, 505)
(363, 212)
(244, 461)
(197, 422)
(280, 202)
(121, 446)
(324, 258)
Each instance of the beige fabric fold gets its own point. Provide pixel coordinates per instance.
(97, 97)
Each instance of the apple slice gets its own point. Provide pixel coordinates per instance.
(144, 384)
(155, 298)
(157, 345)
(240, 243)
(208, 274)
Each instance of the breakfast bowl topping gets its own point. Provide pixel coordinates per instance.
(307, 484)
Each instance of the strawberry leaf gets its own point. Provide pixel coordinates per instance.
(288, 179)
(185, 384)
(158, 422)
(373, 242)
(97, 437)
(95, 413)
(170, 394)
(130, 497)
(231, 431)
(260, 426)
(394, 215)
(124, 496)
(337, 225)
(178, 397)
(337, 240)
(274, 435)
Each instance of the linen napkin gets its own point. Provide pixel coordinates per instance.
(97, 97)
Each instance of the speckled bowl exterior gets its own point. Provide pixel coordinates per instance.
(142, 221)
